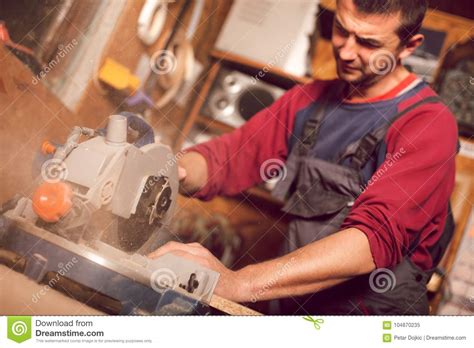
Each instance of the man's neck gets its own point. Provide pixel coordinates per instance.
(381, 87)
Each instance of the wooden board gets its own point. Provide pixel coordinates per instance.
(231, 308)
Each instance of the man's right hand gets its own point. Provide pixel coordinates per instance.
(192, 173)
(181, 174)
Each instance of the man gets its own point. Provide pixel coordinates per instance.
(369, 169)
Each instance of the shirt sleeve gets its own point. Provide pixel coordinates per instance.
(235, 160)
(405, 201)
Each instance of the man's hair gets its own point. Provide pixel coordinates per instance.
(411, 12)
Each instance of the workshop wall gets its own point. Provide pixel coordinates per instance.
(29, 115)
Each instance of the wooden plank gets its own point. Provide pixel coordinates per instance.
(230, 307)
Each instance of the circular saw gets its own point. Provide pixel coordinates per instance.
(105, 188)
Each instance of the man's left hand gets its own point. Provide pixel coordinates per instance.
(229, 285)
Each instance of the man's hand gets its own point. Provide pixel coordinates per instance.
(192, 173)
(229, 285)
(181, 174)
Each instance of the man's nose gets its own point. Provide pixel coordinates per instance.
(348, 50)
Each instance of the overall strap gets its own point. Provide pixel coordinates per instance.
(311, 130)
(304, 143)
(313, 123)
(365, 147)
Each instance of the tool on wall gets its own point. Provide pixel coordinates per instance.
(152, 20)
(119, 77)
(169, 68)
(153, 16)
(173, 65)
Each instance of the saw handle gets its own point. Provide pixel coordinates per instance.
(146, 135)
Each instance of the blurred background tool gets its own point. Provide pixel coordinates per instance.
(151, 20)
(119, 77)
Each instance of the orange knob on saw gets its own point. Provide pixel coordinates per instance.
(47, 148)
(52, 201)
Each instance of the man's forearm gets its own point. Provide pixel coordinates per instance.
(312, 268)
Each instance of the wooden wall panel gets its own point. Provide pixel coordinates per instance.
(29, 114)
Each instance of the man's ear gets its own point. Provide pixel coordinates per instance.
(412, 44)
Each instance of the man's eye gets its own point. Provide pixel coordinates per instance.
(341, 30)
(368, 44)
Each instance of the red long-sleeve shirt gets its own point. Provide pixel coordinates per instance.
(405, 201)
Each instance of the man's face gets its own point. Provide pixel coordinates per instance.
(366, 47)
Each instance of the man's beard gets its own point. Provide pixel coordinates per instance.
(366, 80)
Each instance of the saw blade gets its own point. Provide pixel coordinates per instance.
(153, 204)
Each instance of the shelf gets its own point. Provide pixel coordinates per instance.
(271, 75)
(214, 124)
